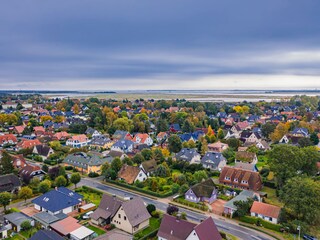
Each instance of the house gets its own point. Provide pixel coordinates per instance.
(132, 216)
(247, 157)
(240, 178)
(118, 134)
(31, 171)
(300, 132)
(205, 191)
(109, 205)
(18, 129)
(43, 150)
(14, 220)
(39, 130)
(65, 226)
(251, 137)
(284, 139)
(143, 138)
(175, 127)
(214, 161)
(230, 208)
(174, 228)
(46, 234)
(8, 140)
(9, 183)
(131, 174)
(149, 166)
(115, 234)
(101, 141)
(263, 145)
(123, 145)
(60, 136)
(206, 230)
(265, 211)
(162, 136)
(3, 232)
(217, 147)
(78, 141)
(18, 161)
(189, 155)
(27, 144)
(92, 132)
(60, 200)
(46, 219)
(84, 162)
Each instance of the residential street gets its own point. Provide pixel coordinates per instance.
(223, 224)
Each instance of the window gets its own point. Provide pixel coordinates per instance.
(270, 219)
(125, 218)
(227, 178)
(119, 215)
(236, 179)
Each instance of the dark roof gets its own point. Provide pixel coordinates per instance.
(172, 228)
(213, 159)
(9, 182)
(136, 211)
(44, 217)
(187, 154)
(43, 150)
(149, 166)
(17, 218)
(129, 173)
(59, 199)
(108, 207)
(204, 189)
(245, 156)
(207, 230)
(82, 160)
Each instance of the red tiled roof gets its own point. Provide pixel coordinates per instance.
(7, 137)
(66, 226)
(265, 209)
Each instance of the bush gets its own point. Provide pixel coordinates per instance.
(155, 214)
(151, 208)
(269, 184)
(199, 206)
(93, 174)
(265, 224)
(68, 168)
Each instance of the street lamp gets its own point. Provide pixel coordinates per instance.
(299, 229)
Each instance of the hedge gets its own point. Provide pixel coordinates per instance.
(148, 236)
(269, 184)
(265, 224)
(191, 204)
(132, 187)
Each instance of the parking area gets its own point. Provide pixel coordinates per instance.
(217, 206)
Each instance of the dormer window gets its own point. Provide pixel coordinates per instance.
(227, 178)
(245, 182)
(236, 179)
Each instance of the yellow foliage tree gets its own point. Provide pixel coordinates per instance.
(280, 131)
(46, 118)
(76, 109)
(210, 131)
(165, 152)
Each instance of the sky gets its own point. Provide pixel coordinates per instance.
(159, 44)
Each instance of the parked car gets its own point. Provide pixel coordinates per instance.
(87, 215)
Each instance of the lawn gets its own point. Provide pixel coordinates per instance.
(96, 230)
(29, 233)
(154, 224)
(272, 197)
(90, 196)
(15, 237)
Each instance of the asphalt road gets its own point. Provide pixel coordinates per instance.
(223, 225)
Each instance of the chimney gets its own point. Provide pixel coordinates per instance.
(171, 232)
(56, 188)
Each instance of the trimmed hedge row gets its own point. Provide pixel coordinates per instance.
(265, 224)
(155, 194)
(191, 204)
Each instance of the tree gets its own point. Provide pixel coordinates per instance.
(162, 170)
(267, 129)
(287, 161)
(188, 126)
(301, 195)
(123, 124)
(116, 164)
(76, 109)
(151, 208)
(314, 138)
(243, 207)
(175, 188)
(147, 154)
(204, 146)
(44, 186)
(175, 144)
(46, 118)
(26, 225)
(305, 142)
(60, 181)
(183, 189)
(6, 166)
(158, 155)
(181, 179)
(45, 168)
(200, 175)
(229, 154)
(25, 193)
(220, 134)
(5, 198)
(162, 125)
(192, 144)
(75, 179)
(281, 130)
(210, 132)
(172, 209)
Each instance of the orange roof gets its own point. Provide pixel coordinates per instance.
(19, 129)
(265, 209)
(8, 137)
(80, 138)
(60, 135)
(66, 226)
(142, 136)
(29, 143)
(39, 129)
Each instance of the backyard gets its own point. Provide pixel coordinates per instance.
(154, 225)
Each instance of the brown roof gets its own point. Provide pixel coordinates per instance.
(149, 166)
(265, 209)
(108, 207)
(204, 189)
(128, 173)
(245, 156)
(66, 226)
(207, 230)
(172, 228)
(237, 175)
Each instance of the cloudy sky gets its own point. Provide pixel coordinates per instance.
(159, 44)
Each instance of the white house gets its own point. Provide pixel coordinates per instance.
(78, 141)
(143, 138)
(265, 211)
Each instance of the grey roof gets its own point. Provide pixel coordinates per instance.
(212, 159)
(46, 235)
(120, 134)
(115, 234)
(46, 218)
(83, 160)
(9, 182)
(100, 140)
(17, 218)
(243, 196)
(136, 211)
(123, 144)
(108, 207)
(187, 154)
(43, 150)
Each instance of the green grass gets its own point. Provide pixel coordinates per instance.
(15, 237)
(96, 230)
(272, 197)
(29, 233)
(154, 223)
(90, 196)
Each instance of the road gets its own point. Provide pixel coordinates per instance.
(223, 224)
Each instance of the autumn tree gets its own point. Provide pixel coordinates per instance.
(44, 186)
(45, 118)
(123, 124)
(174, 143)
(281, 130)
(25, 193)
